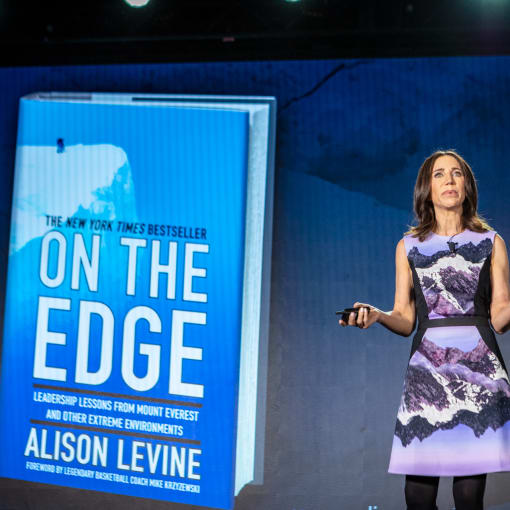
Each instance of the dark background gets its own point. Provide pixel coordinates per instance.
(365, 92)
(110, 31)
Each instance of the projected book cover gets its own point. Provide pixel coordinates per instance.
(131, 329)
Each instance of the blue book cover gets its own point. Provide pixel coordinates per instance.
(120, 362)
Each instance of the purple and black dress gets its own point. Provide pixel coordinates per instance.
(454, 416)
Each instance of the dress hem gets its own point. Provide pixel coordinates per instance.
(465, 473)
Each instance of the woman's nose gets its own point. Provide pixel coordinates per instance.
(450, 177)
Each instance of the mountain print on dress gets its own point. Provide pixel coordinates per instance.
(449, 282)
(454, 414)
(446, 386)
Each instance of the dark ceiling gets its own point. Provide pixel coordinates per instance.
(106, 31)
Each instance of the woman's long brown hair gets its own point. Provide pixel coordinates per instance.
(424, 209)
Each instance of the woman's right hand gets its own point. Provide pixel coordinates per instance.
(367, 315)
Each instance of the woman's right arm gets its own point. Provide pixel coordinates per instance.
(401, 319)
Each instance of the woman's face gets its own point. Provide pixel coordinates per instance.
(447, 187)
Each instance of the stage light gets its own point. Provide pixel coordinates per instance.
(292, 1)
(137, 3)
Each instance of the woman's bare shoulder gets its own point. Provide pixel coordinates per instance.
(499, 248)
(498, 239)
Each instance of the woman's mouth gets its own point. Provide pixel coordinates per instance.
(449, 192)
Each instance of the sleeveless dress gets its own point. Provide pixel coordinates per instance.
(454, 416)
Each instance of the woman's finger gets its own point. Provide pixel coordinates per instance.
(361, 317)
(359, 320)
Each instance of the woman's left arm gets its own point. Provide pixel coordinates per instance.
(500, 302)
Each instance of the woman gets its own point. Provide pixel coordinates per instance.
(452, 273)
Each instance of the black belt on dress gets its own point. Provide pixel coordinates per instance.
(463, 320)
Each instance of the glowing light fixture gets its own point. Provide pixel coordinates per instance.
(137, 3)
